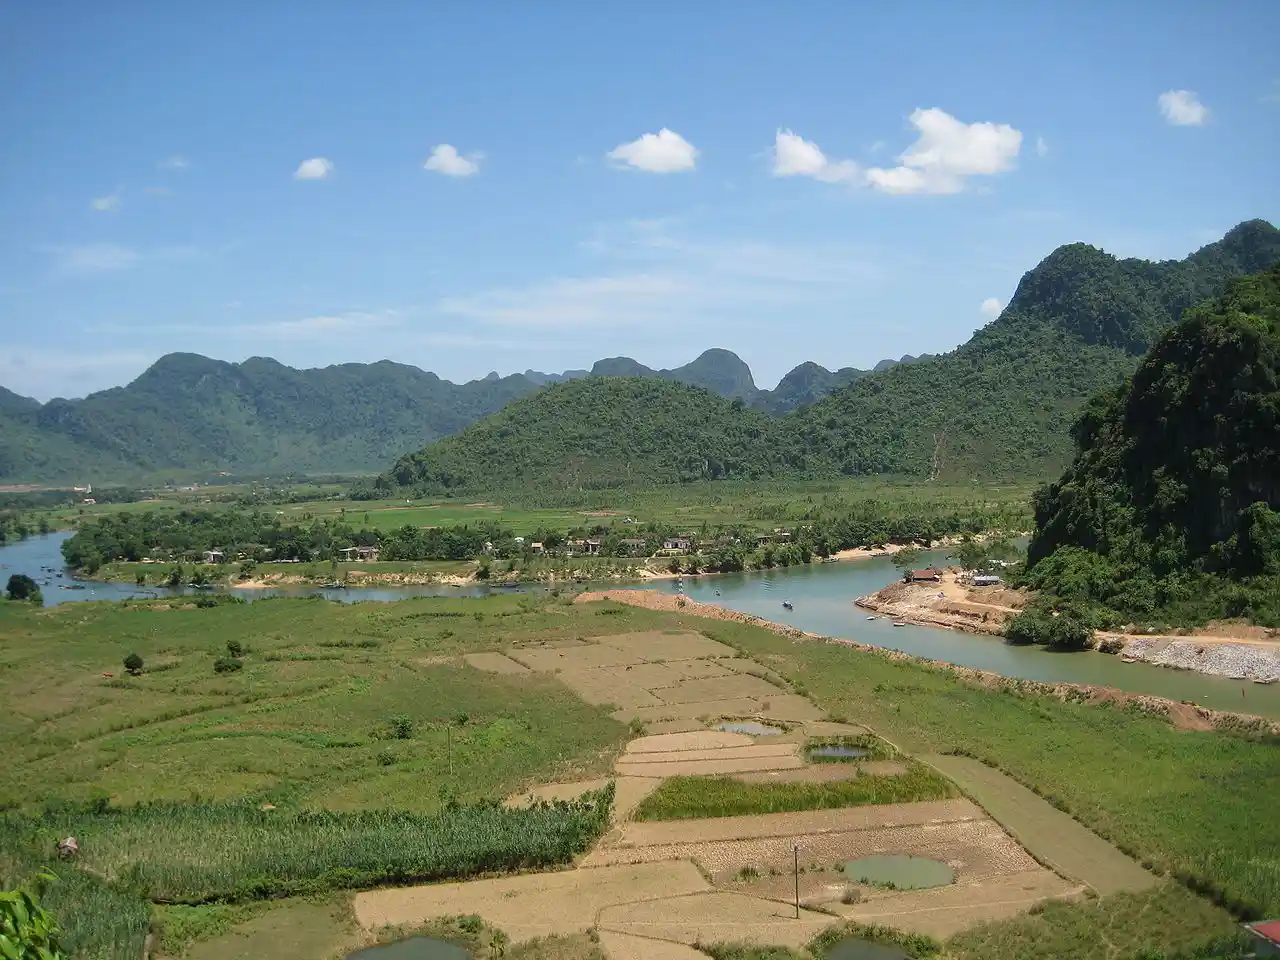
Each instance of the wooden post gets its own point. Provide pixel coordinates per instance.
(449, 734)
(795, 849)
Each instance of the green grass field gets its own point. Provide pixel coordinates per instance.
(685, 798)
(1190, 804)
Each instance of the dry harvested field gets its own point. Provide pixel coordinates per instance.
(652, 889)
(661, 677)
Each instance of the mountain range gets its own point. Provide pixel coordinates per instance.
(998, 407)
(187, 413)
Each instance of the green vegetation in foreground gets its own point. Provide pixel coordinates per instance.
(1171, 510)
(688, 798)
(1000, 406)
(1175, 925)
(196, 853)
(1196, 806)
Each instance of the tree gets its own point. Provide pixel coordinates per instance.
(27, 930)
(971, 554)
(133, 664)
(906, 558)
(22, 587)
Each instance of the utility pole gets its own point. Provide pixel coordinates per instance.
(795, 850)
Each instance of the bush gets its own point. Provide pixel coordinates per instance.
(133, 664)
(235, 648)
(227, 665)
(22, 587)
(1061, 625)
(401, 726)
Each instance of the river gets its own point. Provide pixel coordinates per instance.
(822, 595)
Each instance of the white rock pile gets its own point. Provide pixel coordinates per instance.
(1240, 661)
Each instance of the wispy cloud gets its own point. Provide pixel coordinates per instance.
(649, 275)
(67, 371)
(1042, 147)
(446, 159)
(317, 168)
(175, 162)
(662, 152)
(88, 260)
(1182, 108)
(108, 204)
(323, 326)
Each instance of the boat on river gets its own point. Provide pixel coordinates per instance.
(873, 618)
(787, 604)
(900, 623)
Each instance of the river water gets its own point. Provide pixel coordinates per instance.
(822, 596)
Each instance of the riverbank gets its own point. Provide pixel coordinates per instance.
(1184, 716)
(1234, 651)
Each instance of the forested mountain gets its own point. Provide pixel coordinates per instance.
(1171, 507)
(603, 432)
(998, 407)
(1001, 405)
(191, 413)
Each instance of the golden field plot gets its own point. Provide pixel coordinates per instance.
(495, 663)
(671, 678)
(705, 753)
(715, 916)
(628, 793)
(533, 905)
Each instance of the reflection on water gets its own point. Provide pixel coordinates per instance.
(821, 597)
(414, 948)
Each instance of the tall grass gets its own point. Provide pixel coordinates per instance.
(188, 853)
(683, 798)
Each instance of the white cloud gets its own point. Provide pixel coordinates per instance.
(317, 168)
(1182, 108)
(174, 163)
(946, 153)
(445, 159)
(794, 156)
(108, 204)
(330, 326)
(662, 152)
(991, 307)
(1042, 148)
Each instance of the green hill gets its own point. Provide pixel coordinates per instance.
(1001, 405)
(1171, 507)
(603, 432)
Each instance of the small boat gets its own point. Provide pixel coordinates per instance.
(1128, 659)
(873, 618)
(335, 585)
(788, 604)
(899, 623)
(1264, 680)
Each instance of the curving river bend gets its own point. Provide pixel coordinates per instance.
(822, 595)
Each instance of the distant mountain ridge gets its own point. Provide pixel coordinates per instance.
(188, 413)
(998, 407)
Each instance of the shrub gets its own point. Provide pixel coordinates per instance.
(227, 665)
(235, 648)
(27, 930)
(401, 726)
(22, 587)
(1059, 624)
(133, 664)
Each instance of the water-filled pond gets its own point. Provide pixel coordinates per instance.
(903, 871)
(414, 948)
(839, 752)
(854, 949)
(752, 728)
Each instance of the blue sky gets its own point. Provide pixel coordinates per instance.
(476, 187)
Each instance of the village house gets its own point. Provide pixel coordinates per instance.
(589, 547)
(536, 547)
(986, 580)
(632, 545)
(359, 554)
(680, 543)
(927, 575)
(213, 556)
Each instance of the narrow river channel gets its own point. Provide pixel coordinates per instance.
(821, 594)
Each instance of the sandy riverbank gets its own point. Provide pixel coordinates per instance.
(1185, 716)
(1236, 651)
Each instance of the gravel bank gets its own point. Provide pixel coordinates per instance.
(1239, 661)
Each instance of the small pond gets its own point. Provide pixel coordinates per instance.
(415, 948)
(839, 752)
(903, 871)
(854, 949)
(751, 728)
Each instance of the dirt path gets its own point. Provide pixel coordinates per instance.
(1051, 836)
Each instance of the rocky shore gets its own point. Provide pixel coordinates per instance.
(1259, 662)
